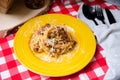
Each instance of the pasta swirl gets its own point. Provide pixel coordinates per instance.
(54, 40)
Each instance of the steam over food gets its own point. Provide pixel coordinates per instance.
(53, 40)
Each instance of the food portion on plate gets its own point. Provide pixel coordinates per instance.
(54, 40)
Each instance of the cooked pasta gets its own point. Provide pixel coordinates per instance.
(54, 40)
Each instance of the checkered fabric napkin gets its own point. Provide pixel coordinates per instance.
(12, 69)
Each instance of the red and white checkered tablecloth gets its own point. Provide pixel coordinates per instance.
(11, 68)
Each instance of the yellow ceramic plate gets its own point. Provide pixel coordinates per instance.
(66, 65)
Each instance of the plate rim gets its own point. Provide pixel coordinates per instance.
(49, 74)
